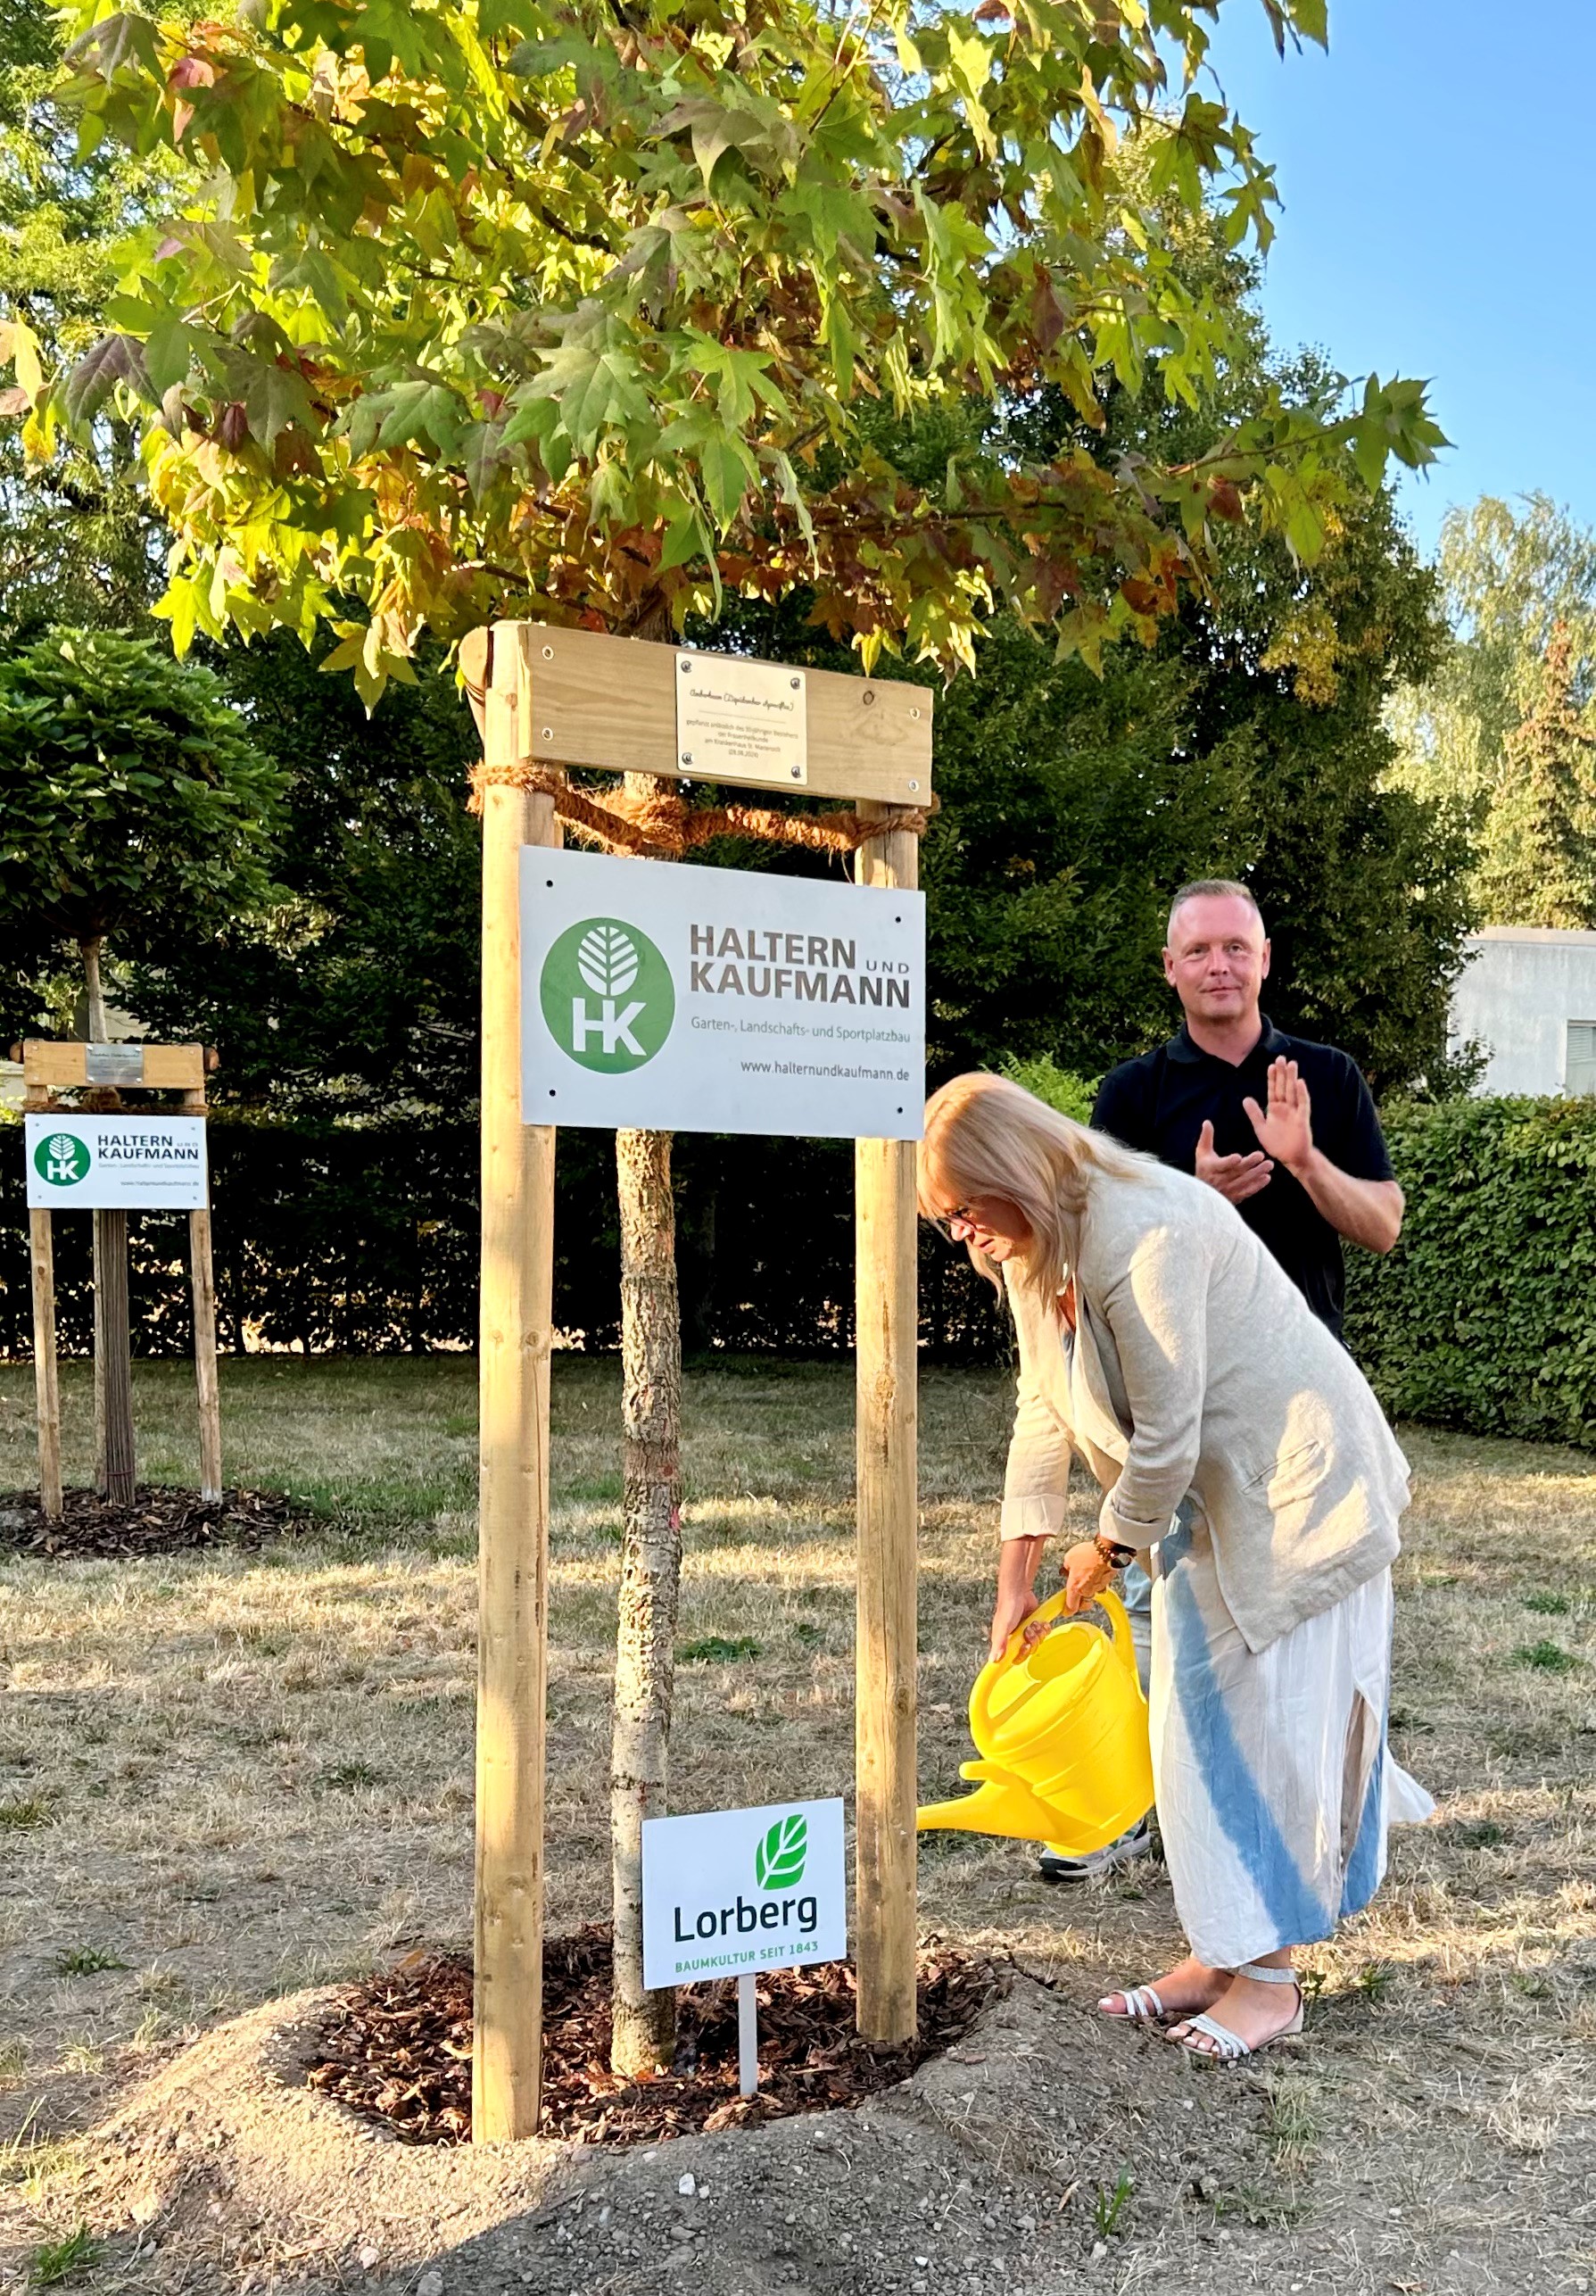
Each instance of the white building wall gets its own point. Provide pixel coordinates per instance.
(1521, 988)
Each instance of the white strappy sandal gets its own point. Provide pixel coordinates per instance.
(1229, 2048)
(1141, 2006)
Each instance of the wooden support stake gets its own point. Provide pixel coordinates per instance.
(202, 1279)
(46, 1385)
(884, 1650)
(113, 1359)
(517, 1315)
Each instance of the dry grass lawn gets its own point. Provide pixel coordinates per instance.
(225, 1776)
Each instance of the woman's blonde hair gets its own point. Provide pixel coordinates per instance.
(986, 1136)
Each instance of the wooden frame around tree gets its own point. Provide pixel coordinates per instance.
(49, 1070)
(552, 697)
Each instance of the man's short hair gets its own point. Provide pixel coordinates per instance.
(1211, 889)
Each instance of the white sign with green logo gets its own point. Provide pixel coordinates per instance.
(735, 1890)
(682, 999)
(111, 1164)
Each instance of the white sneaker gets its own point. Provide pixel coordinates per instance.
(1057, 1865)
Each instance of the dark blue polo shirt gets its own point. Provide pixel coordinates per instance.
(1160, 1103)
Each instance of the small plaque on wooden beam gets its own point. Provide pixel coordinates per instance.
(113, 1064)
(742, 721)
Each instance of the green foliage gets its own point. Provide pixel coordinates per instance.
(1546, 1658)
(1069, 1094)
(79, 542)
(130, 794)
(86, 1962)
(357, 990)
(53, 2261)
(1538, 863)
(362, 1238)
(539, 304)
(1501, 732)
(1510, 576)
(1108, 2208)
(718, 1649)
(1484, 1317)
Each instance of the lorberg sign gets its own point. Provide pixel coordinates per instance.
(742, 1889)
(96, 1163)
(719, 1001)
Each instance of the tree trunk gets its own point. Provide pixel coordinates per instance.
(114, 1464)
(644, 2022)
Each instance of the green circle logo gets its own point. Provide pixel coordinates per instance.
(62, 1159)
(607, 995)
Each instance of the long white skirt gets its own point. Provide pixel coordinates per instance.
(1274, 1783)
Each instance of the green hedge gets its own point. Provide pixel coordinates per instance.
(364, 1241)
(1484, 1315)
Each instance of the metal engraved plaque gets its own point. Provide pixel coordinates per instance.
(742, 721)
(113, 1064)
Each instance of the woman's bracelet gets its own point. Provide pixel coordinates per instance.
(1115, 1555)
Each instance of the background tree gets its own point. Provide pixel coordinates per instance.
(1538, 866)
(79, 542)
(356, 992)
(130, 799)
(1512, 575)
(656, 271)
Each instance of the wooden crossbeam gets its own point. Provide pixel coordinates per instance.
(589, 700)
(137, 1067)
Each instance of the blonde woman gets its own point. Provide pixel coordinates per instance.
(1161, 1343)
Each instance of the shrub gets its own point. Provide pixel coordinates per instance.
(1484, 1315)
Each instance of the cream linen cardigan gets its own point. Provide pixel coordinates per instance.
(1198, 1369)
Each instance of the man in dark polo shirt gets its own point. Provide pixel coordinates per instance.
(1285, 1128)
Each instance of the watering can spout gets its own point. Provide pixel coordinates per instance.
(1004, 1805)
(1062, 1728)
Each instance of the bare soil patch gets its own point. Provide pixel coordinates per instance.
(398, 2048)
(159, 1522)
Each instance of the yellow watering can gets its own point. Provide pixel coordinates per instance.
(1062, 1727)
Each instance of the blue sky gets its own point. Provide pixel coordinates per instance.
(1435, 174)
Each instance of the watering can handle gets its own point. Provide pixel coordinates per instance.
(1046, 1613)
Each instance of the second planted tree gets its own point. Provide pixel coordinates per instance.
(589, 309)
(132, 804)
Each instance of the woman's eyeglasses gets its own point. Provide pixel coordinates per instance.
(944, 1225)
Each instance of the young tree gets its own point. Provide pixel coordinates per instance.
(582, 309)
(131, 799)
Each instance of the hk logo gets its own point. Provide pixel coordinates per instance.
(607, 996)
(62, 1159)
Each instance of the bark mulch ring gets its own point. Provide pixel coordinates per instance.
(399, 2048)
(160, 1522)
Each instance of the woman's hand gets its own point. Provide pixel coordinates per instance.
(1087, 1573)
(1011, 1609)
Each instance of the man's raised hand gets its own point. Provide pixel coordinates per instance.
(1285, 1129)
(1235, 1177)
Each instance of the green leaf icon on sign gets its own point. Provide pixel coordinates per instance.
(778, 1860)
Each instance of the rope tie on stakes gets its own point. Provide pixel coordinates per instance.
(663, 824)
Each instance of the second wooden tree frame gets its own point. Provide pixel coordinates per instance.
(547, 698)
